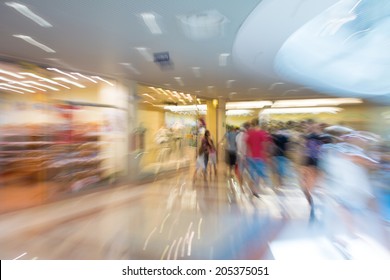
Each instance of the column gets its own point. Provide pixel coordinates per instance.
(211, 118)
(221, 126)
(131, 168)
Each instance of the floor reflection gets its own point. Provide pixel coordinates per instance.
(171, 218)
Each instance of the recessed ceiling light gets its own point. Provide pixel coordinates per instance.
(248, 104)
(316, 102)
(151, 22)
(85, 77)
(31, 41)
(179, 81)
(13, 90)
(42, 79)
(229, 83)
(196, 71)
(274, 85)
(103, 80)
(40, 85)
(130, 67)
(148, 95)
(203, 25)
(223, 59)
(69, 82)
(186, 108)
(24, 10)
(17, 88)
(242, 112)
(305, 110)
(145, 53)
(62, 72)
(11, 74)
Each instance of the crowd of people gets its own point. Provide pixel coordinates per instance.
(334, 159)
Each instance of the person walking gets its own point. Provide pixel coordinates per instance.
(257, 142)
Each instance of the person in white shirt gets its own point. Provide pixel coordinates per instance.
(241, 150)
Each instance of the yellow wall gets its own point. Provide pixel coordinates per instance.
(357, 117)
(152, 120)
(211, 119)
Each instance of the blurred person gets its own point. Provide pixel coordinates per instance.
(212, 154)
(241, 150)
(231, 148)
(311, 153)
(257, 142)
(200, 163)
(281, 140)
(347, 167)
(205, 144)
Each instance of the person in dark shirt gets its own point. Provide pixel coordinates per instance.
(311, 155)
(279, 153)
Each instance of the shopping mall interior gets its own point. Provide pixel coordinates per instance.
(184, 130)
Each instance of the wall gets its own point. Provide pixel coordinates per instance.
(151, 119)
(34, 108)
(355, 116)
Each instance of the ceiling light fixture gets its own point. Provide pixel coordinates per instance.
(130, 67)
(69, 82)
(151, 22)
(239, 112)
(315, 102)
(11, 74)
(39, 84)
(179, 81)
(63, 64)
(103, 80)
(145, 53)
(274, 85)
(33, 42)
(18, 83)
(203, 25)
(229, 83)
(186, 108)
(7, 80)
(248, 104)
(15, 87)
(85, 77)
(196, 71)
(5, 88)
(304, 110)
(162, 91)
(148, 95)
(62, 72)
(147, 102)
(43, 79)
(24, 10)
(223, 59)
(252, 89)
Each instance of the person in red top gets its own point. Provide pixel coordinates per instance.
(257, 141)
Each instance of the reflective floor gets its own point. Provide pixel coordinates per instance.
(170, 218)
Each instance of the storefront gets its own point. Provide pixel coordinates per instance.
(60, 133)
(170, 132)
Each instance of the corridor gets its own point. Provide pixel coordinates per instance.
(170, 218)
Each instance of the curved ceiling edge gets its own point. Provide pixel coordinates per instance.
(266, 29)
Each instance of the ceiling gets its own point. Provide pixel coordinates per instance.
(230, 53)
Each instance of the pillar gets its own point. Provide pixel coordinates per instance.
(221, 126)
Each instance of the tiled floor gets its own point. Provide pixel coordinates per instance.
(171, 218)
